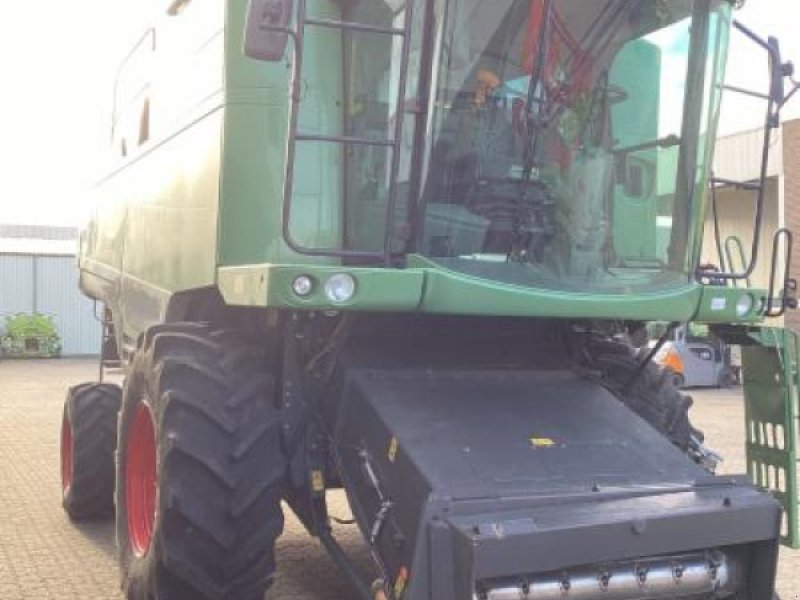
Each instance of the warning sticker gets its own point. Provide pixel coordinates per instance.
(393, 445)
(542, 442)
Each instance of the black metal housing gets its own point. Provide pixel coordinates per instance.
(463, 471)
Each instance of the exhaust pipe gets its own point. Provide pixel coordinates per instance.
(707, 575)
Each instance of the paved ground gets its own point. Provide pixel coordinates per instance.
(45, 557)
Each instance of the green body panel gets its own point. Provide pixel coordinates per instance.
(427, 287)
(718, 305)
(254, 142)
(771, 389)
(453, 292)
(271, 285)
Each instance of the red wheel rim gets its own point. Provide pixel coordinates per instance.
(140, 480)
(66, 455)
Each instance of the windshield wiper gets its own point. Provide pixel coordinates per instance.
(665, 142)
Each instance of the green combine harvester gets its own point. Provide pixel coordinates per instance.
(409, 248)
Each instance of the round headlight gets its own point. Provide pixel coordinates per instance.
(340, 288)
(303, 285)
(744, 305)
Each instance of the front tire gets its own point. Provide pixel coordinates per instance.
(88, 442)
(200, 470)
(650, 392)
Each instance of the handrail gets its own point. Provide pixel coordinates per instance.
(772, 121)
(734, 240)
(787, 261)
(717, 234)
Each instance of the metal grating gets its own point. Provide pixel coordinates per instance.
(771, 389)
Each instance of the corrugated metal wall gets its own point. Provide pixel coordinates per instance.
(49, 285)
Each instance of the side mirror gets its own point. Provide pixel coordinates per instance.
(777, 72)
(267, 29)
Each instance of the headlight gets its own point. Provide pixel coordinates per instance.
(340, 288)
(303, 285)
(744, 305)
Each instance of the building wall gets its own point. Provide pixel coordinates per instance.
(48, 285)
(791, 191)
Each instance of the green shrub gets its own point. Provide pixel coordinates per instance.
(30, 334)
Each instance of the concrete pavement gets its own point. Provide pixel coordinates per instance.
(43, 556)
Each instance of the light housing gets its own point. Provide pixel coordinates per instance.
(340, 288)
(744, 305)
(303, 285)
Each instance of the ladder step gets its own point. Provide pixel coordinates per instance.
(345, 25)
(342, 139)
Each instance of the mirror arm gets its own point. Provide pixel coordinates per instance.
(753, 36)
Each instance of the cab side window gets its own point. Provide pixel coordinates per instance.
(130, 125)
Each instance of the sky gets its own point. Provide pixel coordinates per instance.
(58, 61)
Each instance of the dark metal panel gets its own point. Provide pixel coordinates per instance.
(494, 473)
(596, 531)
(493, 434)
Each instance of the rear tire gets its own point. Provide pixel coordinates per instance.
(88, 442)
(200, 468)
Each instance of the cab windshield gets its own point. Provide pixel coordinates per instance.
(568, 142)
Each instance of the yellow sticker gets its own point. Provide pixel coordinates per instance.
(317, 481)
(393, 449)
(537, 442)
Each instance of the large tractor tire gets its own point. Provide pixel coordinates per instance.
(653, 394)
(88, 442)
(201, 469)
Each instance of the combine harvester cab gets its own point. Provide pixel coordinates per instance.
(410, 249)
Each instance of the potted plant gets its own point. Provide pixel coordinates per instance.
(30, 336)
